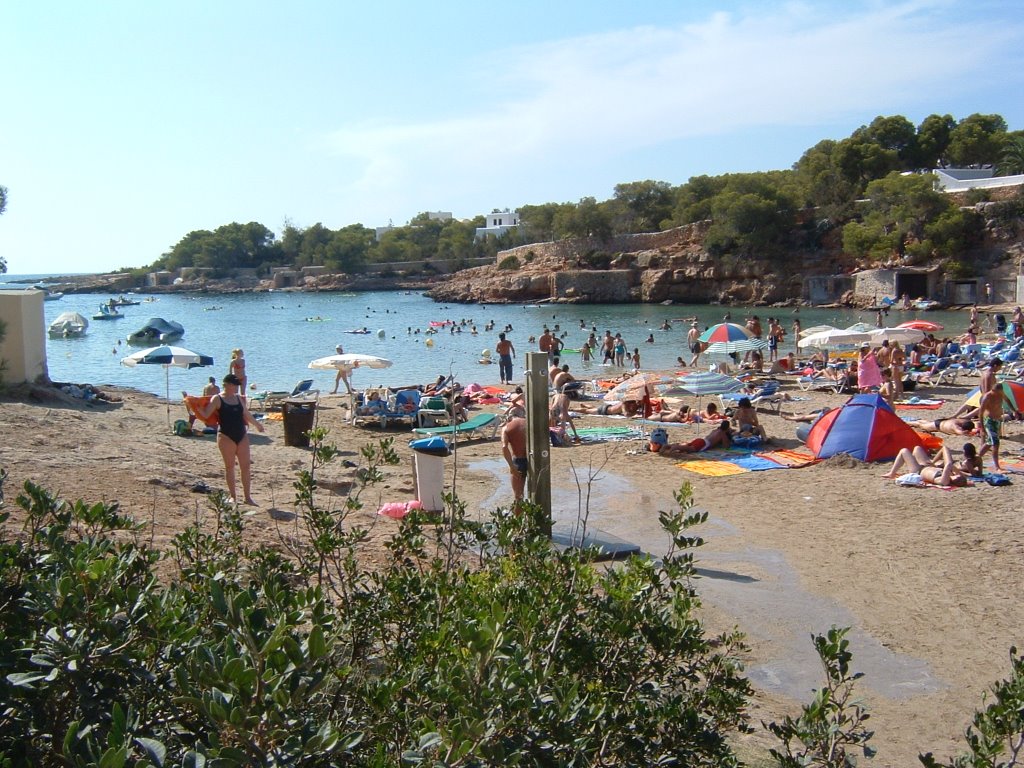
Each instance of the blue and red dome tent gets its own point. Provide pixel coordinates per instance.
(866, 428)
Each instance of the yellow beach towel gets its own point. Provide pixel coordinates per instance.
(712, 468)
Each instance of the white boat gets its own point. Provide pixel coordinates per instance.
(68, 325)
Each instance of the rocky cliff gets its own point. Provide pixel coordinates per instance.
(651, 268)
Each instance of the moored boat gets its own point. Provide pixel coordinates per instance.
(68, 325)
(157, 329)
(106, 313)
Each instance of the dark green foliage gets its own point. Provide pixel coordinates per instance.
(996, 736)
(830, 730)
(518, 655)
(510, 263)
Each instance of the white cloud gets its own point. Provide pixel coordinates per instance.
(564, 103)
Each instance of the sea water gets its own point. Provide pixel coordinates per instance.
(281, 332)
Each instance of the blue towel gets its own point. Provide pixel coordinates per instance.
(756, 463)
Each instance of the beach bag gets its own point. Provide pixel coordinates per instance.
(994, 478)
(181, 428)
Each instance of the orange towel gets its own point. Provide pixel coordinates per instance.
(712, 468)
(194, 403)
(790, 458)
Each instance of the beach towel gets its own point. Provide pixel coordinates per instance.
(756, 463)
(608, 434)
(712, 468)
(911, 480)
(790, 458)
(920, 404)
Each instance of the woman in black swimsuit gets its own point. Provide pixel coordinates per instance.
(232, 439)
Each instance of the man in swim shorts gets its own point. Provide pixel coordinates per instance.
(721, 437)
(945, 426)
(513, 448)
(990, 411)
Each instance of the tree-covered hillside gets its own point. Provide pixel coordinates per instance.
(873, 184)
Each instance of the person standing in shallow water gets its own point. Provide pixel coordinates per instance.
(506, 354)
(232, 436)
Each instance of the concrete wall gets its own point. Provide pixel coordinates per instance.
(874, 285)
(24, 346)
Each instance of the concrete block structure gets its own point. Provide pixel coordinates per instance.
(23, 349)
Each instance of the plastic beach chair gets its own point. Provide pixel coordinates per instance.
(483, 425)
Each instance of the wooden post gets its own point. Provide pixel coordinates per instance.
(538, 436)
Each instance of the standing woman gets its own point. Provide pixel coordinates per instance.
(232, 437)
(237, 369)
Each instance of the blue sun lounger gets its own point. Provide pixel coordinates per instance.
(475, 427)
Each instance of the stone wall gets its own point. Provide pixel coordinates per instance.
(643, 241)
(873, 285)
(613, 286)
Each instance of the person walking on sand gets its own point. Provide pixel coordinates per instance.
(237, 369)
(990, 413)
(232, 436)
(513, 448)
(342, 375)
(693, 341)
(506, 354)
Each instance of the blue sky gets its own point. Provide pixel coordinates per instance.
(126, 125)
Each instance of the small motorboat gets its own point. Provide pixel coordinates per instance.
(68, 325)
(49, 295)
(107, 313)
(157, 329)
(121, 301)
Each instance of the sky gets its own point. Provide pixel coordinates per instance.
(125, 125)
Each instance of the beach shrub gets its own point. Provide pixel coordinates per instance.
(509, 263)
(474, 643)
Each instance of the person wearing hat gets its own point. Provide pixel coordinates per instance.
(232, 435)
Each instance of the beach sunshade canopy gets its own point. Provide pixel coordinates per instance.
(833, 338)
(724, 333)
(1013, 395)
(816, 329)
(710, 383)
(168, 357)
(895, 336)
(635, 387)
(742, 345)
(349, 361)
(921, 325)
(865, 427)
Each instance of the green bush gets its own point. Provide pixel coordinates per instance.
(509, 263)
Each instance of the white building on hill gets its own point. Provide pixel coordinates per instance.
(498, 223)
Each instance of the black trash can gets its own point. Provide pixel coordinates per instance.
(298, 420)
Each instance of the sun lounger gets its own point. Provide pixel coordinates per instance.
(483, 425)
(275, 399)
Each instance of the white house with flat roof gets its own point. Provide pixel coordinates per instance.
(964, 179)
(498, 223)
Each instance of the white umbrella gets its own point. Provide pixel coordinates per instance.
(833, 338)
(816, 329)
(167, 356)
(349, 361)
(895, 336)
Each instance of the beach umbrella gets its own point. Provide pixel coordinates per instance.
(743, 345)
(895, 336)
(710, 383)
(168, 357)
(349, 361)
(635, 387)
(834, 338)
(816, 329)
(725, 333)
(860, 328)
(1013, 395)
(921, 325)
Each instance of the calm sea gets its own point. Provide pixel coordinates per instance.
(282, 332)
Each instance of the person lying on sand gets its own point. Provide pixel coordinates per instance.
(806, 418)
(612, 408)
(681, 415)
(945, 426)
(941, 471)
(721, 437)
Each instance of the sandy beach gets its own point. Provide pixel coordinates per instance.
(928, 579)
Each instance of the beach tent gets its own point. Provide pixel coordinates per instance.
(865, 428)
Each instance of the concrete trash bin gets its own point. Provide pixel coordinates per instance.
(428, 463)
(298, 419)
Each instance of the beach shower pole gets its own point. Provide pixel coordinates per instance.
(538, 435)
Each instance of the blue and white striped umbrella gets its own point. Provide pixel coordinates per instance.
(710, 383)
(167, 356)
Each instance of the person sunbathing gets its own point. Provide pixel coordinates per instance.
(710, 413)
(721, 437)
(612, 408)
(681, 415)
(945, 426)
(941, 471)
(971, 464)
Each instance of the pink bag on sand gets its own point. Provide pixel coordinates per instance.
(399, 509)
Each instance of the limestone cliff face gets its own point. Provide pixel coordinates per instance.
(650, 268)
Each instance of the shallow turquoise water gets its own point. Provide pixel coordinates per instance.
(279, 340)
